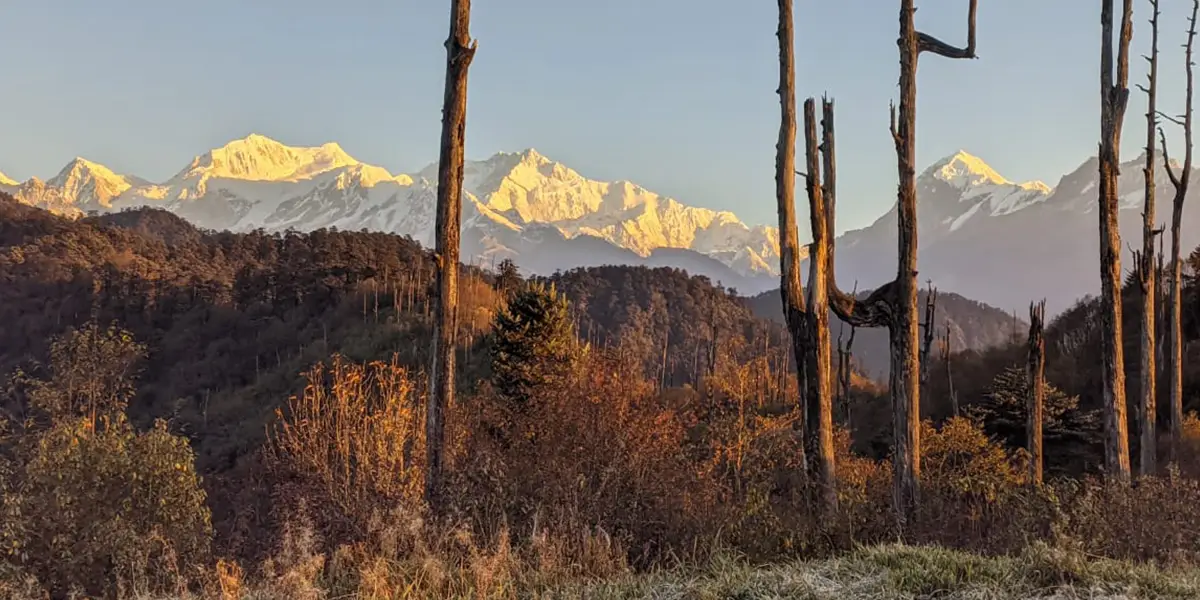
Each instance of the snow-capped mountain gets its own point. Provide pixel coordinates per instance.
(981, 235)
(511, 200)
(6, 181)
(1005, 243)
(80, 186)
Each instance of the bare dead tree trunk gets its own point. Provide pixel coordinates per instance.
(1147, 282)
(818, 309)
(460, 50)
(927, 334)
(946, 353)
(895, 303)
(845, 356)
(1036, 373)
(877, 310)
(785, 195)
(905, 376)
(1180, 181)
(1114, 98)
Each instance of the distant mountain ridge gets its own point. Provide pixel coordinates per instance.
(981, 234)
(517, 205)
(1007, 244)
(973, 326)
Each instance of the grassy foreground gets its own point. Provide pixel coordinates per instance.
(877, 573)
(889, 572)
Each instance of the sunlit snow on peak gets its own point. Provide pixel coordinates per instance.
(964, 170)
(260, 158)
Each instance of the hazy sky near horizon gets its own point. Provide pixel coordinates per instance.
(678, 96)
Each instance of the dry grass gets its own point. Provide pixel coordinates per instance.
(896, 572)
(891, 572)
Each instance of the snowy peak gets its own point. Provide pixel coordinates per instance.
(260, 158)
(6, 180)
(513, 198)
(81, 169)
(85, 183)
(963, 170)
(526, 190)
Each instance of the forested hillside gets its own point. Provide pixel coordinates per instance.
(232, 319)
(655, 405)
(972, 326)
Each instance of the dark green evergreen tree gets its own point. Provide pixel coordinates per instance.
(1071, 435)
(534, 343)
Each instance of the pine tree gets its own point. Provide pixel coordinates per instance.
(534, 344)
(508, 277)
(1071, 436)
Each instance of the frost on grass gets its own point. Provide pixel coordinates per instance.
(899, 572)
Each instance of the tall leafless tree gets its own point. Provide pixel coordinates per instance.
(1036, 374)
(845, 364)
(927, 334)
(895, 304)
(1114, 98)
(818, 308)
(1180, 182)
(946, 355)
(1146, 275)
(460, 50)
(790, 289)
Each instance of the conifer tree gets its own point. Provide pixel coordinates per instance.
(533, 345)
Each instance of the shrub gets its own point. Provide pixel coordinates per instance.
(960, 458)
(352, 444)
(94, 505)
(106, 506)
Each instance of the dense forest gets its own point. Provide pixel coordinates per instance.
(229, 327)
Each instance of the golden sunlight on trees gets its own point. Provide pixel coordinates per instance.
(352, 443)
(89, 502)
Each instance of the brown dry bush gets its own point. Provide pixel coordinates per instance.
(351, 445)
(1154, 519)
(596, 448)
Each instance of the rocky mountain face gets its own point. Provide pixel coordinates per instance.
(981, 235)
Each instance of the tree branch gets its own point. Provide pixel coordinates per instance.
(896, 139)
(1175, 180)
(1188, 101)
(928, 43)
(874, 311)
(1176, 120)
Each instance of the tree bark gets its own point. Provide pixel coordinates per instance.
(1036, 372)
(894, 304)
(1114, 97)
(949, 374)
(927, 335)
(1180, 182)
(790, 289)
(818, 309)
(905, 363)
(460, 50)
(1147, 280)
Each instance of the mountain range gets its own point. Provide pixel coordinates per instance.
(981, 235)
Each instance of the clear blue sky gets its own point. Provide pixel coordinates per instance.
(677, 95)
